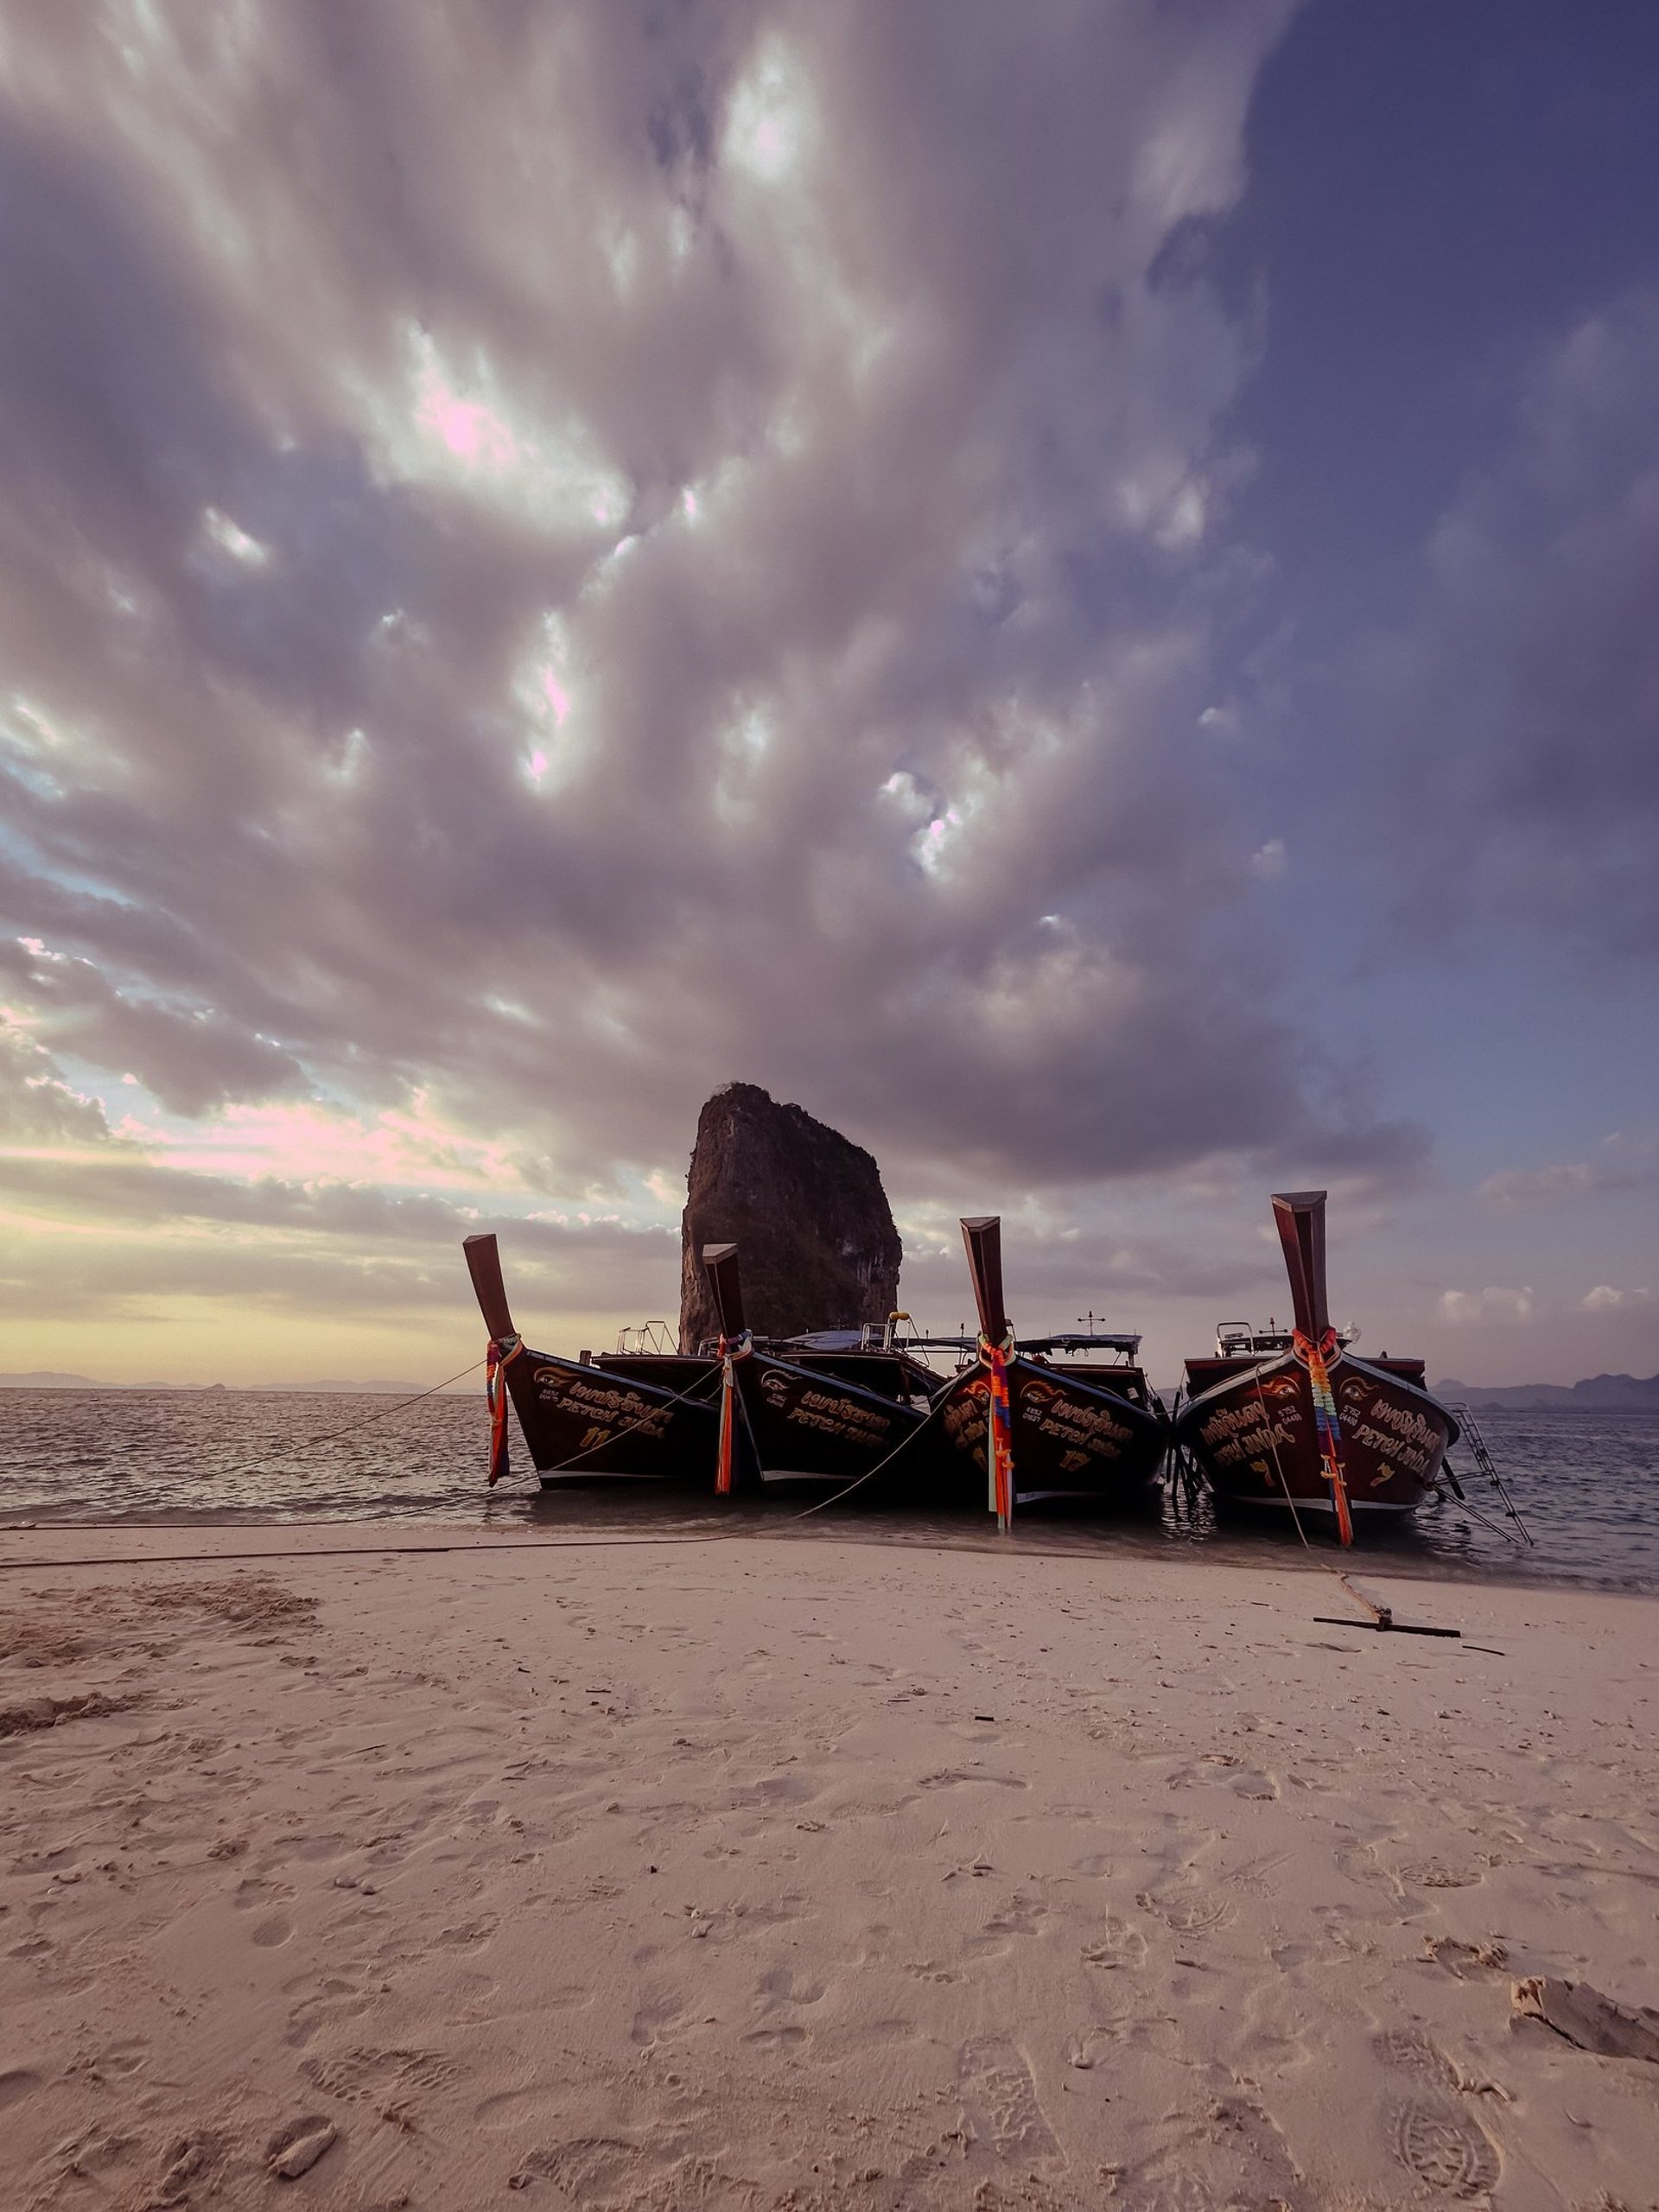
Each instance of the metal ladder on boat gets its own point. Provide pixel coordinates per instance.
(1484, 1461)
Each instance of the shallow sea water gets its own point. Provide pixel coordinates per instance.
(1586, 1485)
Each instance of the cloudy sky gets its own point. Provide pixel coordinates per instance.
(1070, 586)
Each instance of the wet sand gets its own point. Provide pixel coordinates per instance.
(804, 1874)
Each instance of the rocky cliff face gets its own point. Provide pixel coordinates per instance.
(805, 1207)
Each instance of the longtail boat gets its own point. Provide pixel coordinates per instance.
(1015, 1428)
(808, 1410)
(1292, 1419)
(644, 1420)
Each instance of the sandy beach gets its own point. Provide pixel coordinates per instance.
(809, 1873)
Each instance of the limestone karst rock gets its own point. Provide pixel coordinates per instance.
(805, 1207)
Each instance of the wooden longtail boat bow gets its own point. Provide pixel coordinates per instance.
(720, 1264)
(983, 1237)
(484, 1265)
(1301, 1217)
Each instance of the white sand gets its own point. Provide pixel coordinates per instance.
(677, 1876)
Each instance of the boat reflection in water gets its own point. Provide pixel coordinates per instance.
(1291, 1421)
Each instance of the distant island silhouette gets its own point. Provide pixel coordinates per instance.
(43, 1378)
(1596, 1393)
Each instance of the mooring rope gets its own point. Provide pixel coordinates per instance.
(687, 1396)
(1273, 1445)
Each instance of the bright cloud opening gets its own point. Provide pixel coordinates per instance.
(231, 538)
(1495, 1303)
(769, 120)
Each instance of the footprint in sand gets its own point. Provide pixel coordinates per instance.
(478, 1930)
(1117, 1944)
(1409, 2051)
(1176, 2192)
(1443, 2148)
(506, 2111)
(366, 2073)
(1433, 1874)
(1342, 1932)
(592, 2167)
(1022, 1915)
(998, 2090)
(784, 1987)
(334, 2001)
(652, 2018)
(252, 1893)
(950, 1777)
(1237, 2158)
(1261, 1786)
(16, 2083)
(784, 1790)
(189, 2161)
(1361, 1863)
(1192, 1915)
(1459, 1958)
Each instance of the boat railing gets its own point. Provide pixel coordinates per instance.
(1244, 1340)
(653, 1337)
(884, 1336)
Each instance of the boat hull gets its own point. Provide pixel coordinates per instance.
(815, 1425)
(1074, 1440)
(586, 1424)
(1252, 1434)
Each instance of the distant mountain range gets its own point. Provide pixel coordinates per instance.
(43, 1378)
(1596, 1394)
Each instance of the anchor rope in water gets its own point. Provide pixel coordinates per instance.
(351, 1428)
(1383, 1615)
(333, 1435)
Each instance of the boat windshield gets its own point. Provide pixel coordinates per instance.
(1244, 1340)
(1241, 1339)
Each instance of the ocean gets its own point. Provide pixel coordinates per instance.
(1586, 1485)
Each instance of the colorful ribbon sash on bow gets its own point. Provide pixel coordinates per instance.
(1325, 1423)
(727, 1421)
(495, 1391)
(1000, 1436)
